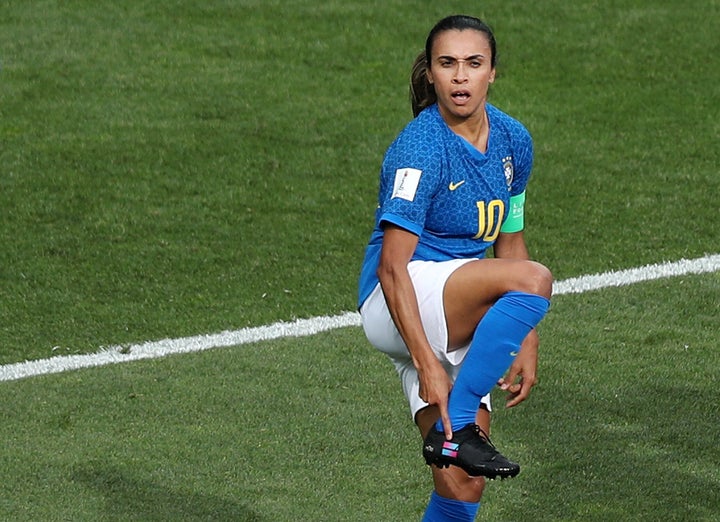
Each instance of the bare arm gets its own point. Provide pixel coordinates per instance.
(397, 250)
(524, 367)
(511, 246)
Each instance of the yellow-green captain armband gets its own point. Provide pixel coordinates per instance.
(515, 221)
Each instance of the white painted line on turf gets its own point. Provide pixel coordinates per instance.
(587, 283)
(155, 349)
(304, 327)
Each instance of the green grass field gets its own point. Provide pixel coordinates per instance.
(170, 169)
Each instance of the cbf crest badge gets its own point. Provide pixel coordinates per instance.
(508, 170)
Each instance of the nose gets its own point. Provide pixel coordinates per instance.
(460, 75)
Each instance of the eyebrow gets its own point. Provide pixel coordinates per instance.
(468, 58)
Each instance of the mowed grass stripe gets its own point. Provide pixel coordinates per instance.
(311, 326)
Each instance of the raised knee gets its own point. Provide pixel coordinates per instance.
(539, 279)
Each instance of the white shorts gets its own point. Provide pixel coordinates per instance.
(429, 279)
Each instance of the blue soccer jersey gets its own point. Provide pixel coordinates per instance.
(436, 185)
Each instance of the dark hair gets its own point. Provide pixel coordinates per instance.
(422, 93)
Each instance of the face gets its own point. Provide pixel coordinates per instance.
(460, 70)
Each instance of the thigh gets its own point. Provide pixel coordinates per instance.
(429, 279)
(474, 287)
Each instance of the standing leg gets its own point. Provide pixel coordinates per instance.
(456, 495)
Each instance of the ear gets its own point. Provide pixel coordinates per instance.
(429, 76)
(492, 76)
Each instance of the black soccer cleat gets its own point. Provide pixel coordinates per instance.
(470, 449)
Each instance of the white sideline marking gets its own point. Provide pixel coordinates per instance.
(577, 285)
(304, 327)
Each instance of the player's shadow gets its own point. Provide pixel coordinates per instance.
(127, 498)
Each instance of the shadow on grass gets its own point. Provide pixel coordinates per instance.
(127, 498)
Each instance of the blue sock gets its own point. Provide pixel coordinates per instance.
(492, 350)
(441, 509)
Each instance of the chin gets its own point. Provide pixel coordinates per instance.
(460, 112)
(463, 112)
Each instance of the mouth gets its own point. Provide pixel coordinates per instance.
(460, 97)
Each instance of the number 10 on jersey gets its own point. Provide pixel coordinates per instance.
(490, 218)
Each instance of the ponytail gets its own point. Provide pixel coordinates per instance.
(422, 92)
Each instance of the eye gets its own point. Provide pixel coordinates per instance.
(475, 64)
(446, 63)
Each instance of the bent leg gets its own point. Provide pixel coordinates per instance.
(473, 288)
(494, 347)
(495, 303)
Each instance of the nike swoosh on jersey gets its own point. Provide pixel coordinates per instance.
(453, 186)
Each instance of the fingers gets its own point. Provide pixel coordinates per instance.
(447, 424)
(436, 392)
(507, 382)
(519, 391)
(442, 406)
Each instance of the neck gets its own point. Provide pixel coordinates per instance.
(474, 128)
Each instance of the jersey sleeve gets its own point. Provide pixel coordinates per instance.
(410, 176)
(523, 155)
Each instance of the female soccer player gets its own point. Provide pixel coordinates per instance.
(453, 322)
